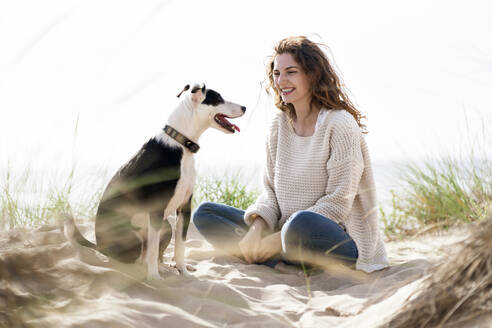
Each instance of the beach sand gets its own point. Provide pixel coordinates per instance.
(46, 282)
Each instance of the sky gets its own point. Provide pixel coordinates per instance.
(90, 81)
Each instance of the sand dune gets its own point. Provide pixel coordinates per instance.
(46, 282)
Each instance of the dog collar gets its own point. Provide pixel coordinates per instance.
(193, 147)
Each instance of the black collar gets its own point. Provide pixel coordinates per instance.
(193, 147)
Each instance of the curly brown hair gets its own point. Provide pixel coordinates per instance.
(326, 87)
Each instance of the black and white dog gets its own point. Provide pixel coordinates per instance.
(131, 222)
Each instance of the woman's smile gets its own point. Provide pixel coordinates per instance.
(287, 91)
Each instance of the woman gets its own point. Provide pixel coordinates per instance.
(319, 196)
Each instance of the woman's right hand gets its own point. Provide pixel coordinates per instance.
(250, 243)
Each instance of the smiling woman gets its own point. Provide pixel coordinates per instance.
(319, 201)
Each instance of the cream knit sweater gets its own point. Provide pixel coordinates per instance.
(328, 173)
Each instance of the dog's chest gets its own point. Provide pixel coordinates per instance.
(187, 178)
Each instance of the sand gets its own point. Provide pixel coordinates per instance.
(46, 282)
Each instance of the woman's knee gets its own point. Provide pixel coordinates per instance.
(292, 231)
(295, 221)
(202, 212)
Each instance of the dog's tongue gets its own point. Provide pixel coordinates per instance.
(224, 119)
(234, 126)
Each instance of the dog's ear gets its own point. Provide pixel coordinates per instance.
(186, 87)
(197, 87)
(198, 93)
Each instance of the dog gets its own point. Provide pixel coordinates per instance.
(131, 221)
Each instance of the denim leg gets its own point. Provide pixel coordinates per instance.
(223, 226)
(307, 233)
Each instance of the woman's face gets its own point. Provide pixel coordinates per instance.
(290, 81)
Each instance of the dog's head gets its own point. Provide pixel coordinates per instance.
(211, 109)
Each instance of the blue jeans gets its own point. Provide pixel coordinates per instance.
(304, 235)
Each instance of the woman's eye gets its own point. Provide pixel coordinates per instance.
(291, 72)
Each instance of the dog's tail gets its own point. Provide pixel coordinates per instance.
(73, 234)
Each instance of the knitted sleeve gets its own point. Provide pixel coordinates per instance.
(344, 167)
(266, 205)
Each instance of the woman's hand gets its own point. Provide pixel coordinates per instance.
(270, 245)
(250, 243)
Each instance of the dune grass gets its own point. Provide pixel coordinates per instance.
(434, 194)
(438, 194)
(31, 198)
(229, 189)
(457, 292)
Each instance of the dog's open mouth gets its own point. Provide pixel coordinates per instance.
(221, 119)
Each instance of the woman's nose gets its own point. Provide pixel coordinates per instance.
(280, 79)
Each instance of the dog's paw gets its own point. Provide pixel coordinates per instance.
(190, 268)
(184, 271)
(167, 269)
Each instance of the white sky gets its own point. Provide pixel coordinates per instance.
(418, 69)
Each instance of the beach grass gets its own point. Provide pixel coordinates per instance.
(437, 194)
(29, 198)
(457, 291)
(433, 194)
(229, 189)
(450, 190)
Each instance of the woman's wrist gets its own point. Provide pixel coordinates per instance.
(258, 223)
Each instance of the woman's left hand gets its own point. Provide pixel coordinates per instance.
(270, 246)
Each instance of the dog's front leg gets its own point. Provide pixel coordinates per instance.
(152, 252)
(182, 223)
